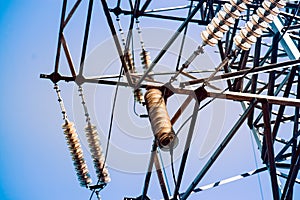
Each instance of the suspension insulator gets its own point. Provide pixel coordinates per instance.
(77, 154)
(146, 59)
(256, 32)
(239, 5)
(271, 8)
(160, 120)
(219, 25)
(138, 96)
(278, 3)
(96, 152)
(225, 18)
(257, 24)
(129, 61)
(232, 10)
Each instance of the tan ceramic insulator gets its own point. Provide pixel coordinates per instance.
(138, 96)
(255, 31)
(239, 42)
(129, 61)
(256, 21)
(219, 25)
(207, 39)
(159, 119)
(225, 18)
(96, 153)
(247, 36)
(239, 5)
(231, 10)
(264, 15)
(77, 154)
(211, 30)
(268, 6)
(279, 3)
(247, 1)
(145, 58)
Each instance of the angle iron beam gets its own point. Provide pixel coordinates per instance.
(72, 11)
(237, 96)
(149, 171)
(116, 41)
(61, 29)
(186, 150)
(68, 55)
(270, 150)
(218, 151)
(160, 177)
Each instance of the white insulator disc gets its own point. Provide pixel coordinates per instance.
(261, 13)
(247, 1)
(214, 32)
(222, 16)
(217, 24)
(243, 45)
(205, 38)
(254, 31)
(232, 11)
(247, 36)
(239, 5)
(267, 5)
(255, 21)
(279, 4)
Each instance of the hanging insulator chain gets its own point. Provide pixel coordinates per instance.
(94, 144)
(96, 152)
(76, 153)
(223, 20)
(61, 103)
(160, 120)
(88, 119)
(139, 30)
(121, 31)
(258, 23)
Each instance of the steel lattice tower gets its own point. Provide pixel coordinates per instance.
(258, 44)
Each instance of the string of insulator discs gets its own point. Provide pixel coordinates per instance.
(259, 22)
(138, 94)
(74, 145)
(94, 144)
(225, 18)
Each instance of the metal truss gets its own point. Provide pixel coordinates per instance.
(265, 79)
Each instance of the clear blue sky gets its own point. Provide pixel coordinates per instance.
(34, 160)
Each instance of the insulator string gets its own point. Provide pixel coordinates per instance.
(94, 144)
(74, 145)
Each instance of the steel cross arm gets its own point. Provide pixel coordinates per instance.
(169, 43)
(186, 150)
(237, 96)
(270, 150)
(116, 40)
(252, 71)
(218, 151)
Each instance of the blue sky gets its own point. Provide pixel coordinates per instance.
(34, 159)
